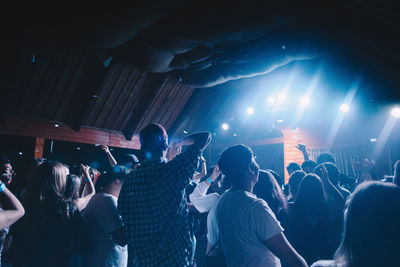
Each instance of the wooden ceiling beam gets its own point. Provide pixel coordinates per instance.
(48, 130)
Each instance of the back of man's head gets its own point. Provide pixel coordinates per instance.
(325, 157)
(107, 178)
(308, 166)
(153, 140)
(292, 167)
(234, 162)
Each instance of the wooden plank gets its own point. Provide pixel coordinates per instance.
(39, 148)
(47, 130)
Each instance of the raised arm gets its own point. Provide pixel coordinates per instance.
(200, 140)
(88, 190)
(198, 176)
(13, 209)
(280, 246)
(303, 150)
(110, 157)
(199, 198)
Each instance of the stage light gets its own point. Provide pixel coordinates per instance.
(271, 100)
(344, 108)
(185, 132)
(20, 153)
(225, 126)
(56, 125)
(250, 110)
(305, 101)
(396, 112)
(279, 121)
(78, 148)
(282, 97)
(234, 134)
(373, 140)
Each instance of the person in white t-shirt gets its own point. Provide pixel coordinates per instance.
(249, 233)
(109, 242)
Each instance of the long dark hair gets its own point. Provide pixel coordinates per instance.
(311, 198)
(371, 228)
(268, 189)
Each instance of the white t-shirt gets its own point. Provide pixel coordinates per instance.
(244, 222)
(102, 216)
(204, 202)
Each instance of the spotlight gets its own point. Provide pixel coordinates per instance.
(250, 110)
(225, 126)
(282, 97)
(271, 100)
(344, 108)
(56, 125)
(305, 101)
(234, 134)
(185, 132)
(279, 121)
(78, 148)
(20, 153)
(396, 112)
(373, 140)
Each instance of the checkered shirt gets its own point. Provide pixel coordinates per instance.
(153, 207)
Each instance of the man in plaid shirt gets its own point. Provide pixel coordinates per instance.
(152, 202)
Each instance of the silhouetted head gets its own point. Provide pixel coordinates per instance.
(153, 141)
(325, 157)
(371, 228)
(238, 164)
(333, 172)
(292, 167)
(308, 166)
(294, 182)
(268, 189)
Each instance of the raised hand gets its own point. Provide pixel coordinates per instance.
(85, 170)
(105, 148)
(301, 147)
(216, 172)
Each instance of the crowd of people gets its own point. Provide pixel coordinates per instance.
(159, 211)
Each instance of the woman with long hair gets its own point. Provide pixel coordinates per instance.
(308, 229)
(268, 189)
(371, 228)
(52, 224)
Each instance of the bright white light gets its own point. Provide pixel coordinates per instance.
(56, 125)
(78, 148)
(20, 153)
(185, 132)
(305, 101)
(234, 134)
(279, 121)
(250, 110)
(396, 112)
(372, 140)
(282, 97)
(271, 100)
(344, 108)
(225, 126)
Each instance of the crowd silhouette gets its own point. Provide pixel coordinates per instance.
(157, 210)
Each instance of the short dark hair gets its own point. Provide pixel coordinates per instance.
(153, 139)
(309, 164)
(107, 178)
(294, 181)
(325, 157)
(234, 162)
(294, 166)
